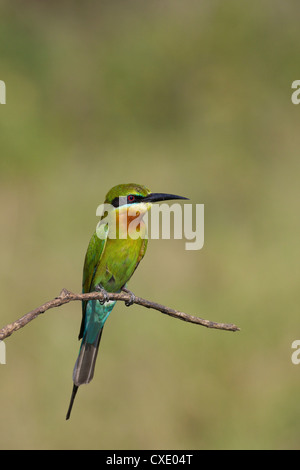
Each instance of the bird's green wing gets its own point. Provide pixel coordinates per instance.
(91, 262)
(92, 259)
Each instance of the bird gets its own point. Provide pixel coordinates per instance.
(110, 261)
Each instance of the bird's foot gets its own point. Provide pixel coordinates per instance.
(132, 297)
(99, 288)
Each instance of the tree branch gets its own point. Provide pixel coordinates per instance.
(66, 296)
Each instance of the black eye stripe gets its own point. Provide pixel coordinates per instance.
(122, 200)
(115, 202)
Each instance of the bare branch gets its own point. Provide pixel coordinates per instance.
(66, 296)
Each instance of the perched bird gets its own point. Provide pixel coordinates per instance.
(110, 261)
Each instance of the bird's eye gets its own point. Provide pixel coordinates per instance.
(131, 198)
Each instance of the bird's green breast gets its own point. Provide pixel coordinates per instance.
(118, 262)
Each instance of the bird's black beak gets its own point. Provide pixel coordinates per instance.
(155, 197)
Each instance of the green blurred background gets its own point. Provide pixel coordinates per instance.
(192, 98)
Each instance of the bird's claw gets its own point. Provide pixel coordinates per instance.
(128, 303)
(99, 288)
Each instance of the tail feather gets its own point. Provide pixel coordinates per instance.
(85, 365)
(96, 315)
(74, 391)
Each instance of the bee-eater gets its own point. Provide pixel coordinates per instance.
(109, 263)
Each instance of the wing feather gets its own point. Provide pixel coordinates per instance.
(91, 262)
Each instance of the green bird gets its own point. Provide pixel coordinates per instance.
(111, 259)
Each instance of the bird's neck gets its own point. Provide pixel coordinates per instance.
(129, 222)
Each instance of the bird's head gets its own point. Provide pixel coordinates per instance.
(128, 204)
(136, 195)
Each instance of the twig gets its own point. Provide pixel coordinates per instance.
(66, 296)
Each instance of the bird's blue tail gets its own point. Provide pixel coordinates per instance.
(96, 315)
